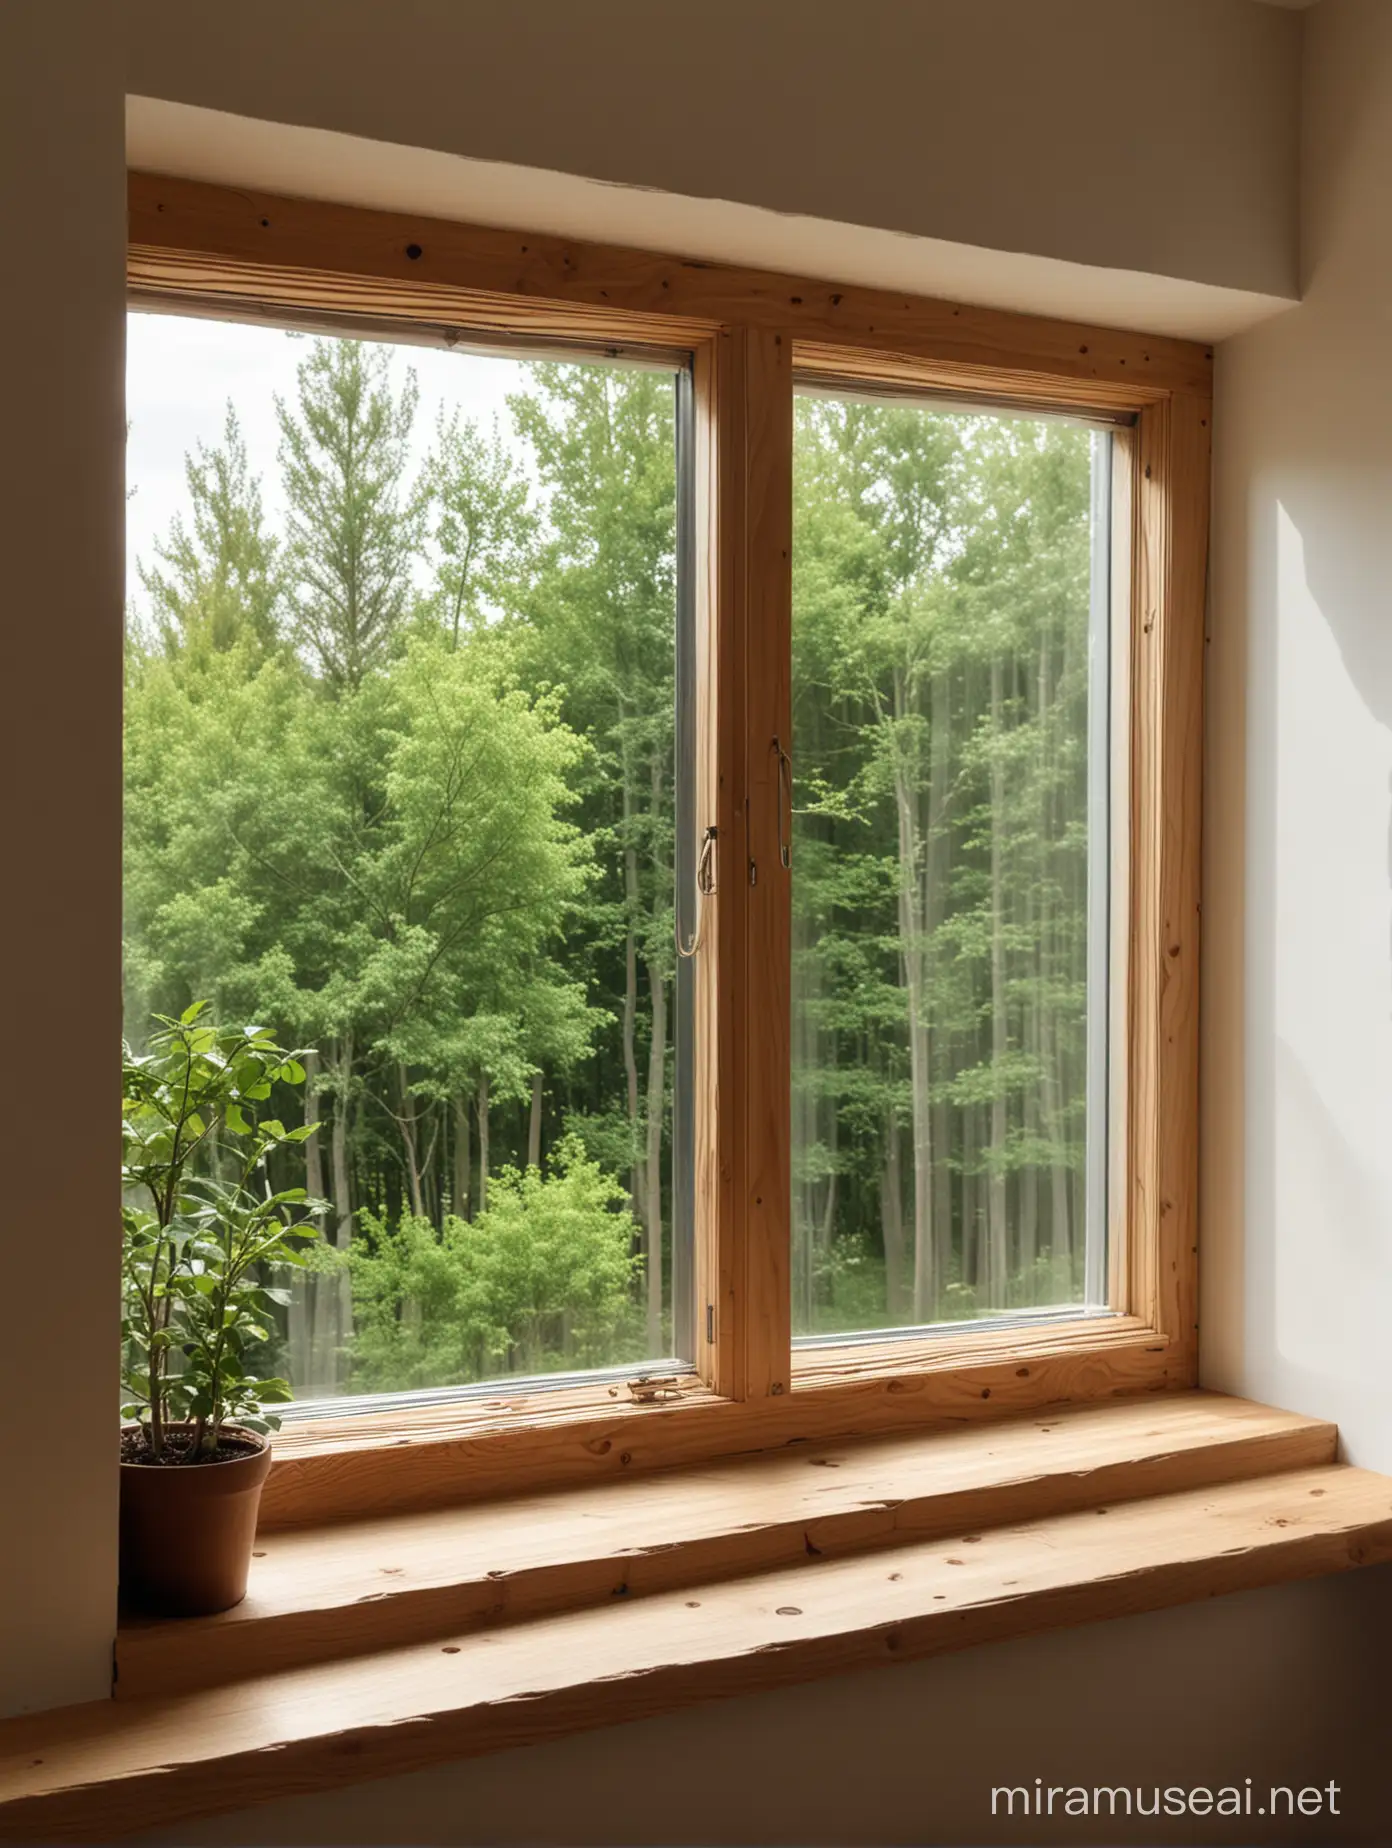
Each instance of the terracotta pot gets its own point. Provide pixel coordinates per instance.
(187, 1530)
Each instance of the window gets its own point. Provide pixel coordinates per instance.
(864, 496)
(950, 852)
(400, 783)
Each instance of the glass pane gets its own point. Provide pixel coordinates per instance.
(949, 686)
(400, 786)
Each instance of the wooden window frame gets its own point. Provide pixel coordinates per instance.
(209, 249)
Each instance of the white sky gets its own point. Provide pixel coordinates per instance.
(180, 373)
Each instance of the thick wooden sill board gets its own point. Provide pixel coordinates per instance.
(318, 1594)
(1282, 1509)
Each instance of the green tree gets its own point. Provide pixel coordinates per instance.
(541, 1279)
(602, 624)
(476, 870)
(879, 485)
(940, 688)
(388, 871)
(353, 521)
(481, 525)
(218, 580)
(390, 834)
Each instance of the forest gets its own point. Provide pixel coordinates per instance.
(399, 784)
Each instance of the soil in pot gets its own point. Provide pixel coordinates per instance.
(187, 1528)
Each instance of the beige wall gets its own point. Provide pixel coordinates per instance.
(1137, 134)
(62, 230)
(1297, 1213)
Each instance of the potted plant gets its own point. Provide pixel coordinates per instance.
(204, 1231)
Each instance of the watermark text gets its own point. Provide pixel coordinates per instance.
(1244, 1799)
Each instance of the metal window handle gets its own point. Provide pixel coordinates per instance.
(784, 793)
(705, 888)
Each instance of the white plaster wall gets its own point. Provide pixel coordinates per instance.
(1133, 134)
(1297, 1148)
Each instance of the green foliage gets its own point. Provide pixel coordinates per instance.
(353, 525)
(219, 583)
(195, 1245)
(542, 1279)
(599, 620)
(482, 527)
(401, 778)
(940, 724)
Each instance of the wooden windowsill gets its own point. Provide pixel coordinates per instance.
(358, 1464)
(381, 1646)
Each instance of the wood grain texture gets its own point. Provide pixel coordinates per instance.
(409, 1461)
(838, 1364)
(1170, 549)
(1181, 875)
(743, 1082)
(721, 967)
(1126, 483)
(189, 237)
(110, 1769)
(841, 368)
(765, 1026)
(321, 1594)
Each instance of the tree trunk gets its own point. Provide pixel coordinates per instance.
(432, 1164)
(828, 1217)
(657, 1083)
(822, 1225)
(534, 1124)
(971, 1251)
(482, 1107)
(313, 1148)
(408, 1141)
(1060, 1226)
(935, 898)
(912, 952)
(460, 1200)
(892, 1223)
(804, 1113)
(1029, 1172)
(942, 1181)
(342, 1190)
(996, 1255)
(637, 1182)
(304, 1284)
(1060, 1231)
(333, 1318)
(657, 1061)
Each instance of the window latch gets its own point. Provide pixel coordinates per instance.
(705, 888)
(783, 796)
(654, 1389)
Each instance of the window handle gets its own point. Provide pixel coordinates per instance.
(705, 888)
(784, 798)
